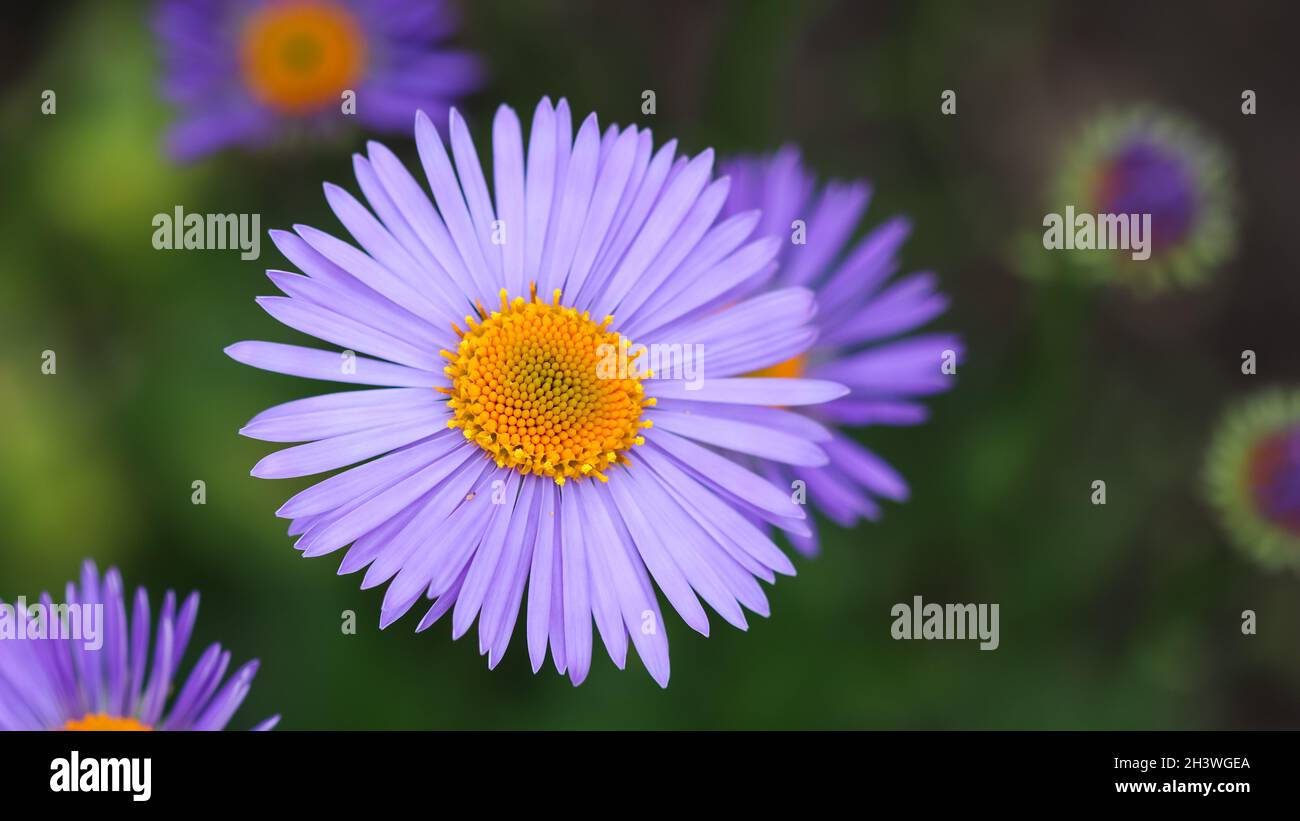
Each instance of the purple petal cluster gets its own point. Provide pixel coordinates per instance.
(126, 676)
(865, 328)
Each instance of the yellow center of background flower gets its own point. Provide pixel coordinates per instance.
(540, 388)
(299, 55)
(101, 721)
(792, 368)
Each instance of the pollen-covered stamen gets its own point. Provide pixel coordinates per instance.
(102, 721)
(540, 388)
(298, 56)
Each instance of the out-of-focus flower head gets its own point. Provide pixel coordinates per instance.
(84, 664)
(246, 72)
(1253, 477)
(1144, 161)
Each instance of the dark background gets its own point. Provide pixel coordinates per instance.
(1121, 616)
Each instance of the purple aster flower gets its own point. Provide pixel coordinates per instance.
(93, 672)
(242, 71)
(527, 444)
(863, 324)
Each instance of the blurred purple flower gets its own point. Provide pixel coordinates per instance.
(1145, 161)
(863, 324)
(242, 72)
(50, 682)
(1253, 477)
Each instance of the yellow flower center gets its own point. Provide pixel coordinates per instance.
(792, 368)
(545, 390)
(101, 721)
(299, 55)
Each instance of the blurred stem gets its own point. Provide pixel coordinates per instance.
(1061, 320)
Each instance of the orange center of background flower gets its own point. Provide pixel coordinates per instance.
(101, 721)
(539, 387)
(792, 368)
(299, 55)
